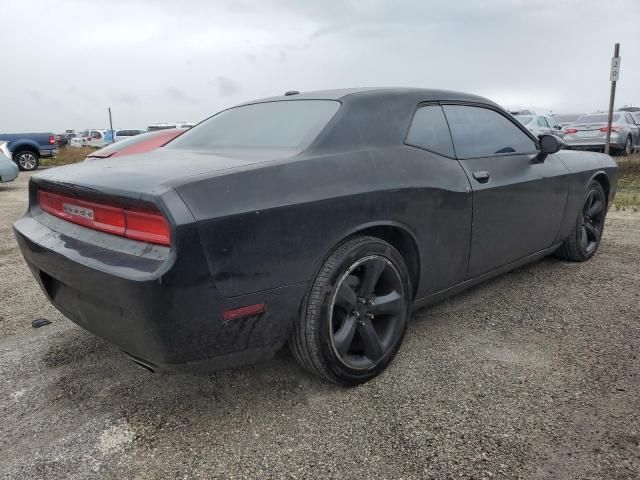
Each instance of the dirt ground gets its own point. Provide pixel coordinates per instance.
(532, 375)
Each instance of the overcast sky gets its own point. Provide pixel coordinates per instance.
(153, 61)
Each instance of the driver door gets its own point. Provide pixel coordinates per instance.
(518, 198)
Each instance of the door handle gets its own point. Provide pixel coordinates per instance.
(482, 176)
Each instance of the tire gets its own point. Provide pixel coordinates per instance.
(628, 147)
(349, 331)
(585, 237)
(626, 150)
(26, 160)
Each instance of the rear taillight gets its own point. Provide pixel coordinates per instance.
(137, 224)
(613, 129)
(570, 130)
(52, 140)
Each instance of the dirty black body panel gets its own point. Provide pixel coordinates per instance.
(254, 226)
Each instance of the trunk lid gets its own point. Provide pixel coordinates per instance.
(148, 174)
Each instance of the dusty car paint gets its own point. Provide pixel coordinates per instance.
(252, 228)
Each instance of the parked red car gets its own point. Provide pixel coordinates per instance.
(137, 144)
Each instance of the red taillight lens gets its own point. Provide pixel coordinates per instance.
(144, 225)
(570, 130)
(613, 129)
(52, 140)
(147, 226)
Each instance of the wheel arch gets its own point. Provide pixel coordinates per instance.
(399, 236)
(603, 179)
(24, 146)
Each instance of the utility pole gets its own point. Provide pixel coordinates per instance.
(613, 77)
(111, 127)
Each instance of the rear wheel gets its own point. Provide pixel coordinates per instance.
(584, 240)
(628, 147)
(26, 160)
(355, 314)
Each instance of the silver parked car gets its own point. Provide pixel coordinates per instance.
(8, 168)
(540, 125)
(589, 133)
(566, 119)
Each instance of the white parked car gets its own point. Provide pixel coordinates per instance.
(124, 134)
(166, 126)
(89, 138)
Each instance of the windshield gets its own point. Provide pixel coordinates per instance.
(282, 124)
(597, 118)
(524, 119)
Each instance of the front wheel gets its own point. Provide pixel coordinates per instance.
(355, 314)
(584, 240)
(26, 160)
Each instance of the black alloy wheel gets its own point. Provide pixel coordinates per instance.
(584, 240)
(355, 314)
(592, 221)
(367, 312)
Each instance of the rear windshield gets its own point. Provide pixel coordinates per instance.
(524, 119)
(597, 118)
(565, 118)
(282, 124)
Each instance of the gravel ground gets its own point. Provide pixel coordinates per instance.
(531, 375)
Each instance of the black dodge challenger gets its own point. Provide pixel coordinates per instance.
(318, 219)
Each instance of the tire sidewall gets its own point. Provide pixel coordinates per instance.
(339, 370)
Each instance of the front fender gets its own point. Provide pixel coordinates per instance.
(19, 145)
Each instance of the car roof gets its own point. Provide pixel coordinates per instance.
(420, 94)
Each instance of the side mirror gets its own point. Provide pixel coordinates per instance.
(550, 144)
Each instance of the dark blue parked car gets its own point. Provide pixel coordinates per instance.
(27, 148)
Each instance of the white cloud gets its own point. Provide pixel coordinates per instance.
(163, 60)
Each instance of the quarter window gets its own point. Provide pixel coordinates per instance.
(429, 130)
(482, 132)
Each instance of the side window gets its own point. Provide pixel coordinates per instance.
(629, 119)
(542, 122)
(482, 132)
(552, 123)
(429, 130)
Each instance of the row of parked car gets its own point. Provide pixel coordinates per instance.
(100, 138)
(578, 132)
(588, 131)
(26, 149)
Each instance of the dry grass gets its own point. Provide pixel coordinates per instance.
(628, 196)
(67, 155)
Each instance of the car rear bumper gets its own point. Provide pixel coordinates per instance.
(595, 144)
(163, 312)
